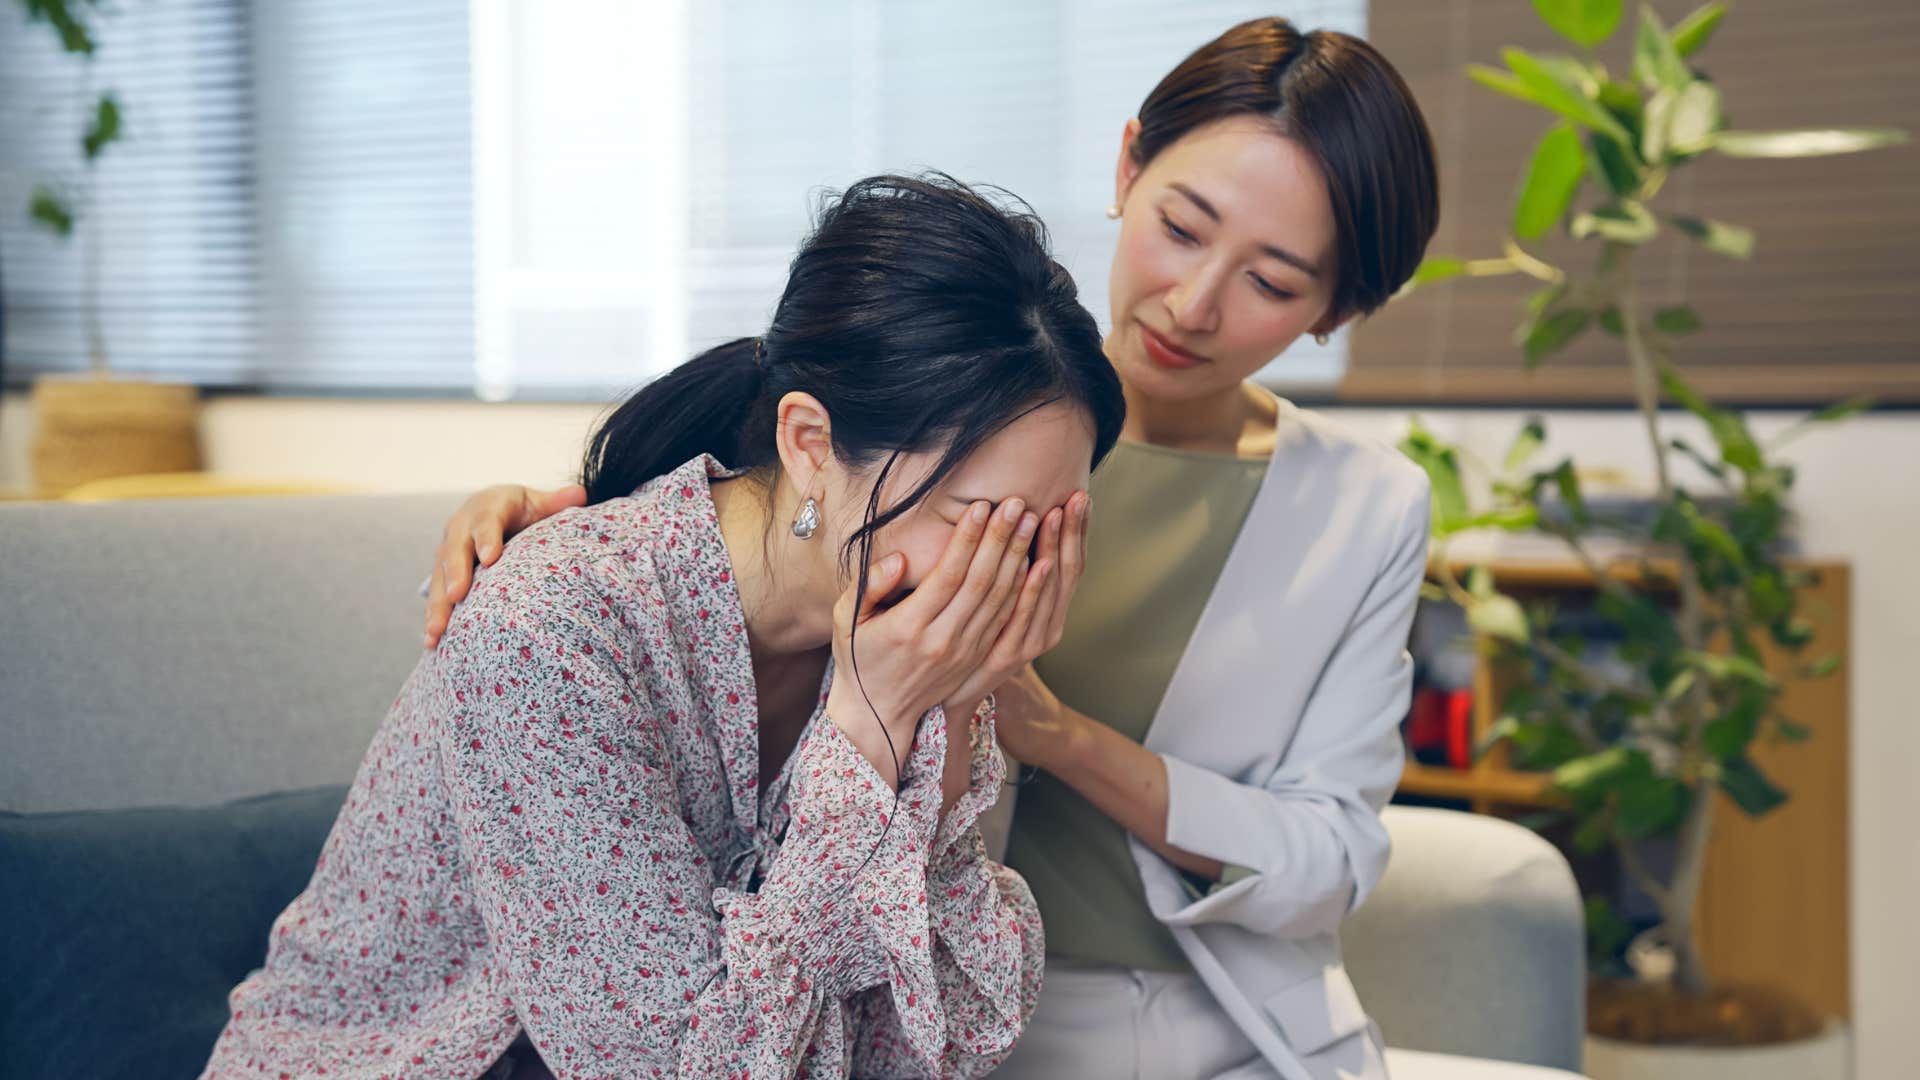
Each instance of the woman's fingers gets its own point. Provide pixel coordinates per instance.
(1073, 562)
(488, 540)
(536, 506)
(855, 607)
(1073, 544)
(451, 578)
(1012, 652)
(438, 609)
(456, 565)
(930, 597)
(994, 610)
(1034, 642)
(951, 626)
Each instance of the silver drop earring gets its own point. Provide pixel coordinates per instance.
(808, 522)
(1113, 212)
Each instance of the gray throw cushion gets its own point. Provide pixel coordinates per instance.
(124, 930)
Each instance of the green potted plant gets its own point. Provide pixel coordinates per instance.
(94, 426)
(1639, 747)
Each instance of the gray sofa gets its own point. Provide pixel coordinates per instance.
(187, 653)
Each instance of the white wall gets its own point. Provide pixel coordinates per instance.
(1857, 496)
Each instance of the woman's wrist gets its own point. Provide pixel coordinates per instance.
(1071, 745)
(882, 737)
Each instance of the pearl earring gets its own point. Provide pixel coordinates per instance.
(808, 522)
(1113, 212)
(1319, 339)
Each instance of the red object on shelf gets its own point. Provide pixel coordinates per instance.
(1427, 721)
(1459, 723)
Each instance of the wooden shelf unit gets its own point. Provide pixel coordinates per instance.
(1773, 908)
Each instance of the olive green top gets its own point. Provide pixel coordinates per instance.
(1163, 524)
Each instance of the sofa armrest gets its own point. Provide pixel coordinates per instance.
(1474, 942)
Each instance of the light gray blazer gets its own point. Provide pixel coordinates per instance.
(1280, 732)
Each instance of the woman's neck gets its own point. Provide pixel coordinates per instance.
(787, 586)
(1240, 421)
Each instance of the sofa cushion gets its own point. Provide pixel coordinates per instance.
(129, 927)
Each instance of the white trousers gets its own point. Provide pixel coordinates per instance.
(1120, 1024)
(1110, 1023)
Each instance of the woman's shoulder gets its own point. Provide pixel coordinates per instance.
(621, 554)
(1356, 464)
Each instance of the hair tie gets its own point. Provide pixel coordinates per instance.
(760, 353)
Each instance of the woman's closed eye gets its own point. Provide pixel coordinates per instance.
(1268, 288)
(1178, 234)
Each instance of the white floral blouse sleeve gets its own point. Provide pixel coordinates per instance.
(988, 949)
(622, 957)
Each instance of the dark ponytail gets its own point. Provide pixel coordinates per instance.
(700, 407)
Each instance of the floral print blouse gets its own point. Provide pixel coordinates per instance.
(559, 828)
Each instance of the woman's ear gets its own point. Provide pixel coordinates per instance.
(1126, 169)
(1329, 322)
(803, 433)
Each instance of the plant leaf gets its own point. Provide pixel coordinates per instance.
(1550, 90)
(1712, 468)
(1625, 102)
(1643, 620)
(1586, 23)
(1582, 776)
(1552, 178)
(1526, 443)
(1676, 320)
(1749, 788)
(1731, 666)
(1502, 82)
(1626, 222)
(104, 128)
(1499, 616)
(1734, 241)
(74, 35)
(1690, 33)
(1787, 731)
(1728, 734)
(1681, 683)
(1614, 165)
(1730, 432)
(1840, 410)
(1648, 805)
(1553, 333)
(1695, 117)
(1434, 270)
(1510, 519)
(1806, 142)
(1791, 633)
(51, 211)
(1607, 931)
(1593, 834)
(1656, 62)
(1566, 481)
(1443, 475)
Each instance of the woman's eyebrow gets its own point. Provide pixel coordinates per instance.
(1304, 266)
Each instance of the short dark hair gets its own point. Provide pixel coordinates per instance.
(1337, 97)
